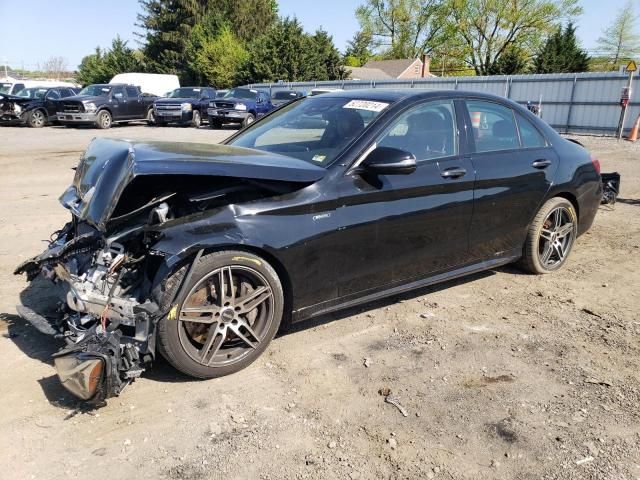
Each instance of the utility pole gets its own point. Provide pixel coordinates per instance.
(626, 96)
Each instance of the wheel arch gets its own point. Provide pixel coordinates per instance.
(570, 197)
(283, 275)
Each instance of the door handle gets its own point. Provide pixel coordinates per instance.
(454, 172)
(543, 163)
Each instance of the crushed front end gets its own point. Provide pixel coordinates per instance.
(104, 313)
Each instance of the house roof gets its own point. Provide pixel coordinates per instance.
(393, 68)
(364, 73)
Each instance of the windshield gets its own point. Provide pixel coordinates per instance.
(314, 129)
(285, 95)
(5, 87)
(247, 93)
(32, 92)
(186, 92)
(96, 90)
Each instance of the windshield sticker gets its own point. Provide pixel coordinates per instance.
(366, 105)
(105, 89)
(319, 158)
(196, 89)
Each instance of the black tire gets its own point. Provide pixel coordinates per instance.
(215, 124)
(551, 237)
(37, 119)
(196, 119)
(248, 120)
(104, 120)
(151, 117)
(181, 341)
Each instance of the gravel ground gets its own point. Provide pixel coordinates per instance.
(502, 374)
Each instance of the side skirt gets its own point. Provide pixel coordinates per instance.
(350, 301)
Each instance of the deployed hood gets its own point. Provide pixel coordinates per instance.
(109, 166)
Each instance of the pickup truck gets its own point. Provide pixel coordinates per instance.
(185, 105)
(239, 105)
(102, 105)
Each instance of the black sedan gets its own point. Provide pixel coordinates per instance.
(202, 252)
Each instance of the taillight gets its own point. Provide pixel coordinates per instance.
(596, 163)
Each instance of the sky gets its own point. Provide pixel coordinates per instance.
(34, 30)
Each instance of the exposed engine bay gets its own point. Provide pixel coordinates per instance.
(105, 261)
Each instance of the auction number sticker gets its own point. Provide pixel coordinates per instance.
(366, 105)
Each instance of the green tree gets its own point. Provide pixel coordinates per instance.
(404, 28)
(619, 40)
(358, 51)
(217, 59)
(561, 53)
(167, 26)
(103, 65)
(323, 58)
(515, 60)
(488, 28)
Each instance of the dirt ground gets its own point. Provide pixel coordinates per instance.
(502, 374)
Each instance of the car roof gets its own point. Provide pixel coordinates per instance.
(395, 95)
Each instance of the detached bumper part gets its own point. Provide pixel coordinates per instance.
(81, 374)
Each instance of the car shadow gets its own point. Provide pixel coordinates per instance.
(40, 296)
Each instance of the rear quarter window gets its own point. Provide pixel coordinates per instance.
(530, 136)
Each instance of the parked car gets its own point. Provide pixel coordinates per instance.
(204, 250)
(283, 97)
(185, 105)
(239, 105)
(13, 87)
(150, 83)
(102, 105)
(34, 107)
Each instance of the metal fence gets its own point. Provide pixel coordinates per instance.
(571, 103)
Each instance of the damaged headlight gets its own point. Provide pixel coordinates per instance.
(90, 107)
(80, 373)
(17, 108)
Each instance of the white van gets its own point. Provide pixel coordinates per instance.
(12, 87)
(154, 83)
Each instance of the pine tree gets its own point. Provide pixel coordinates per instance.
(561, 53)
(358, 51)
(619, 40)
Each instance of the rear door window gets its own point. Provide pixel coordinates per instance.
(494, 126)
(529, 134)
(132, 92)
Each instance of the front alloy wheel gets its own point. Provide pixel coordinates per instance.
(36, 119)
(231, 311)
(551, 236)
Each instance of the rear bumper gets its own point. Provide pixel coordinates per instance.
(70, 118)
(588, 204)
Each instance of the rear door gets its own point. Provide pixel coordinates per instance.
(119, 104)
(514, 168)
(400, 228)
(135, 106)
(50, 103)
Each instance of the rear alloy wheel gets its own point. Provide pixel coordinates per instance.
(196, 120)
(230, 313)
(551, 237)
(104, 120)
(36, 119)
(248, 120)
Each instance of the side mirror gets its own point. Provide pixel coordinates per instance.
(389, 161)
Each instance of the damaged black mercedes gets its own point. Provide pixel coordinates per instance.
(201, 252)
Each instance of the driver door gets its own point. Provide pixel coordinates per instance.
(395, 229)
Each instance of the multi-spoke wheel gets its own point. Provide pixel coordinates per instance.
(551, 236)
(231, 311)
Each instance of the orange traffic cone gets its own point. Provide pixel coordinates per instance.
(633, 136)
